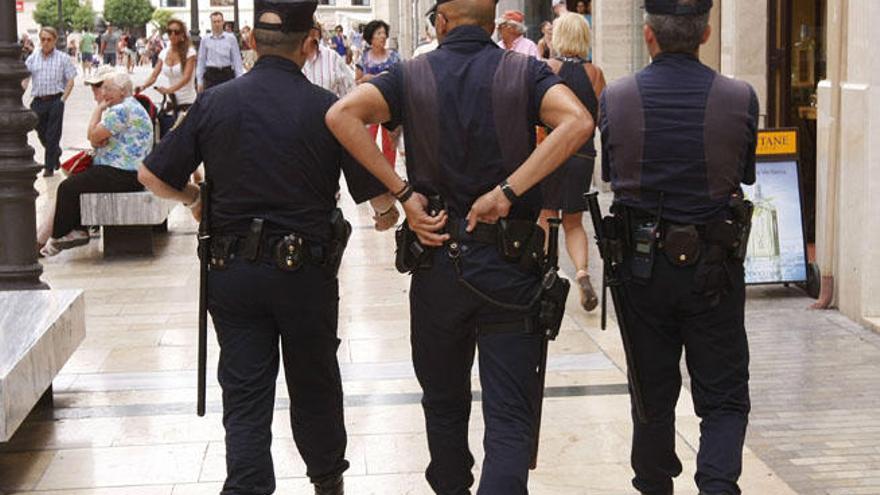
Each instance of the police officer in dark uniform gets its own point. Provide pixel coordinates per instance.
(273, 168)
(469, 110)
(678, 140)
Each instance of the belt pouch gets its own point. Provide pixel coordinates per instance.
(289, 253)
(221, 251)
(513, 238)
(554, 293)
(681, 245)
(341, 233)
(533, 260)
(410, 255)
(250, 250)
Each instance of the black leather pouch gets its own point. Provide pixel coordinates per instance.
(289, 253)
(513, 238)
(682, 245)
(410, 255)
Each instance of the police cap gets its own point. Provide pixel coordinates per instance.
(439, 3)
(296, 15)
(678, 7)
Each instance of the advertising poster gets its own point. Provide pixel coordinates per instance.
(776, 252)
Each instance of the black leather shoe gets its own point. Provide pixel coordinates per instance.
(333, 486)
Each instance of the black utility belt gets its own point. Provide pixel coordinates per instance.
(288, 252)
(517, 241)
(218, 69)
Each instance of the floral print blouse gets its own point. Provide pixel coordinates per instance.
(370, 66)
(131, 136)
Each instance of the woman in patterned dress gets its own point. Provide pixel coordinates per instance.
(376, 60)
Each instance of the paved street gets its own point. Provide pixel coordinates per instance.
(124, 420)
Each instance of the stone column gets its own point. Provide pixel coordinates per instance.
(852, 217)
(194, 30)
(618, 46)
(18, 227)
(744, 44)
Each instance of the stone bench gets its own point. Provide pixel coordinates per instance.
(39, 331)
(128, 219)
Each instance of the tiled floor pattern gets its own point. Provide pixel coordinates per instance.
(124, 421)
(816, 403)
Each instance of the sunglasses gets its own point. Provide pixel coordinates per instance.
(175, 31)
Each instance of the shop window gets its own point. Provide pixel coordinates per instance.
(172, 4)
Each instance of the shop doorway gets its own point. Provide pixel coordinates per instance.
(796, 63)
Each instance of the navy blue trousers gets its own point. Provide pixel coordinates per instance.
(448, 324)
(664, 317)
(51, 118)
(254, 307)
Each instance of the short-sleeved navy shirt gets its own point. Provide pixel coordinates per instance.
(267, 153)
(455, 108)
(679, 128)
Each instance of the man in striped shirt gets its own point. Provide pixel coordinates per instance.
(325, 68)
(53, 74)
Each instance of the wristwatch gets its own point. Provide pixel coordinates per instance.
(508, 191)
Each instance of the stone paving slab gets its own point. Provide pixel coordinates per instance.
(815, 399)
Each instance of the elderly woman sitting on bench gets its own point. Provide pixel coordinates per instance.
(122, 134)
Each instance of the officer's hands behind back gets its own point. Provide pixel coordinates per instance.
(488, 208)
(426, 227)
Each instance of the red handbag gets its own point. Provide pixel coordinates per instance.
(77, 163)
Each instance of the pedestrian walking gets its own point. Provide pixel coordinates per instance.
(375, 60)
(276, 240)
(177, 62)
(545, 44)
(248, 54)
(154, 47)
(512, 31)
(325, 67)
(563, 191)
(219, 56)
(27, 46)
(130, 43)
(109, 45)
(559, 7)
(339, 42)
(52, 74)
(471, 146)
(87, 51)
(678, 139)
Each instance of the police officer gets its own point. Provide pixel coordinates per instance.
(273, 168)
(678, 140)
(469, 110)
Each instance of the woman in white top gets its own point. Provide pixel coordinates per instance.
(177, 62)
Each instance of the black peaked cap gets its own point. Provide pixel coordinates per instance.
(441, 2)
(675, 7)
(296, 15)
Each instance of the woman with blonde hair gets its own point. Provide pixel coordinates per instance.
(177, 62)
(564, 190)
